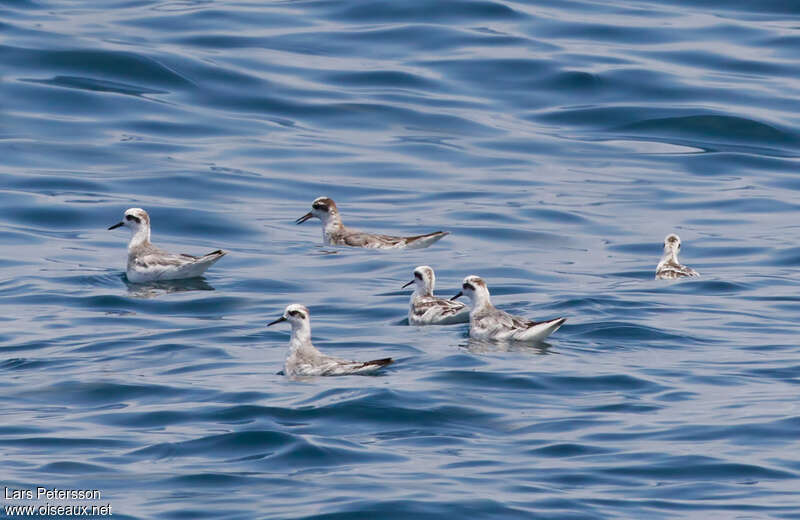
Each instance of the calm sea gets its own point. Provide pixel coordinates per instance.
(558, 141)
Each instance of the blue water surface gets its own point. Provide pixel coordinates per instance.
(558, 141)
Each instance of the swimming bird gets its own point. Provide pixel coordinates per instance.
(305, 360)
(488, 322)
(426, 309)
(669, 268)
(148, 263)
(335, 233)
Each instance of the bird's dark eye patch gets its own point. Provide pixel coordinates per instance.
(320, 206)
(293, 313)
(132, 218)
(468, 287)
(417, 276)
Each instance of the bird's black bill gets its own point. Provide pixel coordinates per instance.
(276, 321)
(457, 296)
(303, 218)
(118, 224)
(409, 283)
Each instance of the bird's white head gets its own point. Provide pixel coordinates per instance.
(138, 221)
(474, 288)
(424, 280)
(672, 245)
(300, 319)
(295, 314)
(322, 208)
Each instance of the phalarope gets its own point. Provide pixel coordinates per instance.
(488, 322)
(305, 360)
(669, 267)
(426, 309)
(335, 233)
(148, 263)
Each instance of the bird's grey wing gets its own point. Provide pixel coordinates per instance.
(156, 258)
(331, 366)
(494, 319)
(522, 323)
(445, 307)
(421, 307)
(428, 237)
(359, 239)
(670, 271)
(360, 367)
(449, 307)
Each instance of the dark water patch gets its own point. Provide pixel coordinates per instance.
(789, 373)
(15, 364)
(566, 450)
(714, 129)
(98, 85)
(516, 77)
(674, 468)
(785, 7)
(50, 185)
(101, 393)
(21, 430)
(422, 509)
(564, 425)
(202, 367)
(652, 250)
(74, 468)
(738, 204)
(718, 61)
(596, 32)
(573, 81)
(44, 218)
(785, 257)
(280, 450)
(597, 117)
(209, 480)
(608, 304)
(629, 331)
(207, 17)
(702, 286)
(756, 433)
(157, 419)
(47, 444)
(450, 11)
(623, 408)
(389, 79)
(511, 234)
(223, 445)
(513, 383)
(312, 455)
(122, 66)
(561, 217)
(726, 251)
(617, 382)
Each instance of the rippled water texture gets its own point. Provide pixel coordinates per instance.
(558, 141)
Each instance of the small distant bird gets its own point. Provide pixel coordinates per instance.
(669, 267)
(335, 233)
(148, 263)
(488, 322)
(305, 360)
(426, 309)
